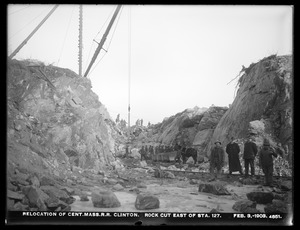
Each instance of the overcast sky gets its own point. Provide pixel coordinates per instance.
(181, 56)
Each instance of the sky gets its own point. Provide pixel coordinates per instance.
(176, 56)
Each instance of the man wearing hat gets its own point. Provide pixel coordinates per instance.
(216, 159)
(250, 151)
(266, 162)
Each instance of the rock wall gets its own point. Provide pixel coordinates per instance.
(263, 105)
(54, 117)
(192, 127)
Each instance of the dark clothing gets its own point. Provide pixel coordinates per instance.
(250, 150)
(268, 171)
(266, 163)
(233, 150)
(217, 158)
(251, 163)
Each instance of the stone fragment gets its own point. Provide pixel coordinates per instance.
(286, 185)
(216, 188)
(146, 201)
(15, 195)
(243, 205)
(118, 187)
(83, 197)
(277, 206)
(105, 199)
(260, 197)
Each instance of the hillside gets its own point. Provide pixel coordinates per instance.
(263, 106)
(55, 121)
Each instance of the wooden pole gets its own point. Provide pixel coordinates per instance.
(103, 40)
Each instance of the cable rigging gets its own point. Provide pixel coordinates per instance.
(23, 27)
(129, 65)
(106, 49)
(66, 35)
(93, 41)
(19, 10)
(33, 32)
(103, 40)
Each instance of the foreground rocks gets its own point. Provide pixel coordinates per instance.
(245, 206)
(146, 201)
(31, 192)
(105, 199)
(277, 206)
(260, 197)
(216, 188)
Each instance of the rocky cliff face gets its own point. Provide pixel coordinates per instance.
(263, 105)
(192, 127)
(55, 121)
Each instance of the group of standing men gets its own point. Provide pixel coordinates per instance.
(250, 151)
(148, 151)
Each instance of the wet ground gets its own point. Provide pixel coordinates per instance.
(175, 195)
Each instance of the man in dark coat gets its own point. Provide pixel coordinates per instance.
(142, 152)
(250, 151)
(216, 159)
(233, 150)
(266, 162)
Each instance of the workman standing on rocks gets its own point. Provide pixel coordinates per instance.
(233, 150)
(216, 160)
(250, 151)
(266, 162)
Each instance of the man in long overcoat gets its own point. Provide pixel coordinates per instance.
(266, 162)
(233, 150)
(216, 159)
(250, 151)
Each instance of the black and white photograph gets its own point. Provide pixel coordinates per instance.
(144, 114)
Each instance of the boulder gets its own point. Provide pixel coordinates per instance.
(163, 174)
(105, 199)
(286, 185)
(136, 190)
(44, 180)
(244, 205)
(214, 211)
(249, 181)
(193, 181)
(279, 196)
(169, 175)
(36, 197)
(143, 163)
(260, 197)
(118, 187)
(69, 191)
(11, 187)
(190, 160)
(277, 206)
(112, 181)
(15, 195)
(55, 192)
(34, 181)
(216, 188)
(200, 159)
(135, 154)
(10, 204)
(141, 186)
(53, 203)
(20, 207)
(237, 184)
(146, 201)
(17, 180)
(84, 197)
